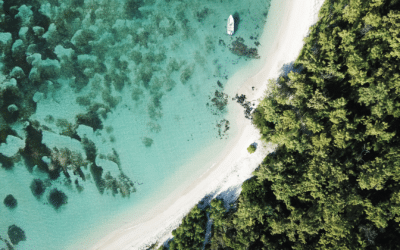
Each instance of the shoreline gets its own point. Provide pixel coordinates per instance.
(234, 164)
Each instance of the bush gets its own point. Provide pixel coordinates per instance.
(251, 149)
(190, 234)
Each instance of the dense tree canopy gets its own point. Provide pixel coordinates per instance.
(333, 182)
(190, 234)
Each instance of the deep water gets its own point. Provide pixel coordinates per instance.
(104, 104)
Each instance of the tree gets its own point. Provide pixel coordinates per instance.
(190, 234)
(251, 149)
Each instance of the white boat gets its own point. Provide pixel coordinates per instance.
(230, 28)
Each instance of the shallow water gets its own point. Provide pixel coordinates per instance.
(137, 85)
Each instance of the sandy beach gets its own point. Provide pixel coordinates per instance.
(234, 165)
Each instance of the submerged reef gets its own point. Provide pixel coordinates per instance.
(35, 150)
(239, 48)
(248, 107)
(16, 234)
(103, 179)
(218, 103)
(37, 187)
(57, 198)
(147, 141)
(223, 127)
(90, 119)
(187, 73)
(67, 160)
(122, 184)
(5, 244)
(10, 201)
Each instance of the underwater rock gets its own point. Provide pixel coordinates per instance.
(90, 149)
(114, 157)
(169, 84)
(67, 128)
(10, 201)
(173, 65)
(137, 93)
(122, 184)
(18, 48)
(239, 48)
(219, 102)
(25, 34)
(50, 68)
(57, 198)
(187, 73)
(38, 31)
(52, 36)
(201, 15)
(223, 127)
(154, 127)
(6, 163)
(154, 111)
(5, 41)
(12, 146)
(112, 101)
(5, 244)
(86, 60)
(37, 187)
(147, 141)
(45, 69)
(34, 149)
(78, 187)
(9, 84)
(66, 160)
(12, 108)
(17, 72)
(167, 26)
(34, 75)
(82, 37)
(64, 54)
(97, 172)
(32, 49)
(90, 119)
(16, 234)
(132, 9)
(246, 105)
(83, 100)
(25, 14)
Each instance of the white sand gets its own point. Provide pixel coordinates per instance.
(235, 164)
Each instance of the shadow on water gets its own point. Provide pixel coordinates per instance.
(236, 18)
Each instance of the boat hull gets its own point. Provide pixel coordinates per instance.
(230, 28)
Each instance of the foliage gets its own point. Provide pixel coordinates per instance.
(190, 234)
(251, 149)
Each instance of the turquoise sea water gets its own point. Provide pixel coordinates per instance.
(114, 99)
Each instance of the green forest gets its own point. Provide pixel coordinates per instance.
(333, 181)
